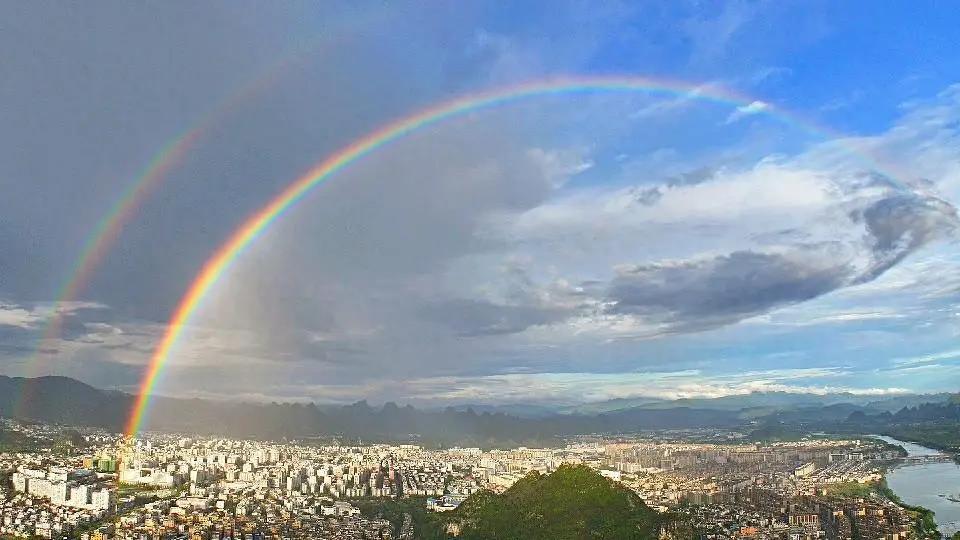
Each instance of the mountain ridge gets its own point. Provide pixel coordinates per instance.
(63, 400)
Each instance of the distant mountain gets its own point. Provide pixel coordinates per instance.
(895, 403)
(764, 401)
(936, 425)
(573, 502)
(66, 401)
(62, 400)
(618, 404)
(519, 410)
(757, 403)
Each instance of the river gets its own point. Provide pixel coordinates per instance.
(928, 485)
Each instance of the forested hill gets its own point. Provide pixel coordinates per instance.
(573, 502)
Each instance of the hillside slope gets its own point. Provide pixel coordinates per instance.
(572, 503)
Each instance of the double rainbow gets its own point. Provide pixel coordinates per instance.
(172, 154)
(255, 224)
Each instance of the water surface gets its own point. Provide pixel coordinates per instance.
(929, 485)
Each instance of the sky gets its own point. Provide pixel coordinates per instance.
(554, 250)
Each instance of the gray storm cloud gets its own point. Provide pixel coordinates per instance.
(705, 293)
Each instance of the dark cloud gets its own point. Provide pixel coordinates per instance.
(473, 318)
(706, 293)
(691, 178)
(648, 196)
(720, 290)
(19, 345)
(701, 293)
(899, 225)
(651, 195)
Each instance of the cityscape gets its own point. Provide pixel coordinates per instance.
(172, 486)
(479, 270)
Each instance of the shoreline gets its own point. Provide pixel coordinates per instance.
(926, 523)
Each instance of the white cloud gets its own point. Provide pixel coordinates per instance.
(927, 358)
(13, 315)
(743, 111)
(560, 165)
(564, 388)
(663, 106)
(573, 388)
(805, 316)
(30, 317)
(462, 251)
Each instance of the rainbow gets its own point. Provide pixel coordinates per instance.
(104, 235)
(108, 229)
(255, 224)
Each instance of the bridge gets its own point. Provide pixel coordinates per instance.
(931, 458)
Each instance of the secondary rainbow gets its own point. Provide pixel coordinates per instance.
(104, 235)
(227, 253)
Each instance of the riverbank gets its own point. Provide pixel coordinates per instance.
(944, 440)
(923, 489)
(925, 519)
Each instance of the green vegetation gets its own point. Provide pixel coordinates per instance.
(574, 502)
(142, 495)
(925, 526)
(15, 441)
(393, 510)
(147, 494)
(778, 433)
(943, 436)
(930, 424)
(69, 442)
(849, 490)
(126, 489)
(66, 442)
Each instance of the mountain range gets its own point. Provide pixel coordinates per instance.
(756, 401)
(67, 401)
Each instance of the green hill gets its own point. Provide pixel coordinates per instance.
(573, 503)
(14, 441)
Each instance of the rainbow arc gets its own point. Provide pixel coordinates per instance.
(251, 228)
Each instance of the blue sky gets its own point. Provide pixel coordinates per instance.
(555, 250)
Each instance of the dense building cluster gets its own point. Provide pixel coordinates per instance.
(668, 473)
(77, 488)
(164, 486)
(803, 490)
(766, 513)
